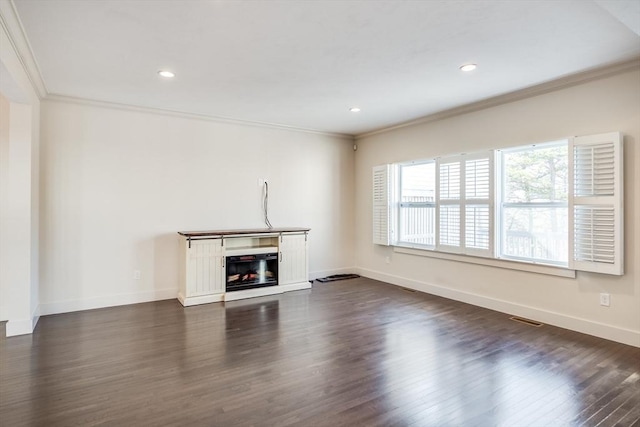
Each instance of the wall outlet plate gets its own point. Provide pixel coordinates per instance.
(605, 299)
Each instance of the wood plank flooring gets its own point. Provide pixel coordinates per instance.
(350, 353)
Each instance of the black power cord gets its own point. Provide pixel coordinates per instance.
(265, 205)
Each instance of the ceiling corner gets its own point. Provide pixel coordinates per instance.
(12, 26)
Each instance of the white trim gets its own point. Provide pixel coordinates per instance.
(585, 326)
(10, 22)
(529, 92)
(202, 299)
(106, 301)
(269, 290)
(23, 326)
(19, 327)
(490, 262)
(252, 293)
(295, 286)
(52, 97)
(35, 317)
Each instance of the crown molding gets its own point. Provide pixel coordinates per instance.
(12, 26)
(529, 92)
(52, 97)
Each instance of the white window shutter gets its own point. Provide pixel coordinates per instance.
(464, 204)
(478, 204)
(449, 177)
(596, 203)
(381, 205)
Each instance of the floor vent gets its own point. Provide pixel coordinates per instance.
(407, 289)
(526, 321)
(336, 277)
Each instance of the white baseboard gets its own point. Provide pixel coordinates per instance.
(585, 326)
(106, 301)
(23, 326)
(313, 275)
(269, 290)
(19, 327)
(252, 293)
(203, 299)
(35, 316)
(295, 286)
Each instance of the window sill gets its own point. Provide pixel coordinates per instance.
(492, 262)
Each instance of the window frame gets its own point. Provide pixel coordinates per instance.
(399, 204)
(575, 203)
(463, 202)
(500, 204)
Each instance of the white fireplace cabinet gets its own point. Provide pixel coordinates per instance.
(204, 256)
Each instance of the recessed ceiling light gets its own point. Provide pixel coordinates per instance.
(165, 73)
(354, 109)
(468, 67)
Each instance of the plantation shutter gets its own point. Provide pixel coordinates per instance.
(448, 204)
(464, 204)
(478, 204)
(381, 205)
(596, 203)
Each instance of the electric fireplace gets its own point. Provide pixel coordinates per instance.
(251, 271)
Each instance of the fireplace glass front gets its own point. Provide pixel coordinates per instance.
(251, 271)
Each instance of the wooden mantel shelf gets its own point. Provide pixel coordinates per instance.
(241, 232)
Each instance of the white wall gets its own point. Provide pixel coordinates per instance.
(4, 211)
(607, 104)
(118, 184)
(19, 194)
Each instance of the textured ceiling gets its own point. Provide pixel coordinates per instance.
(304, 63)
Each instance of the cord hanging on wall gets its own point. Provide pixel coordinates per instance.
(265, 204)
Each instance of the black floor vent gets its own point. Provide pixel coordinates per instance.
(407, 289)
(526, 321)
(337, 277)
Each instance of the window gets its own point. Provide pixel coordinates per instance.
(464, 204)
(417, 204)
(557, 203)
(533, 206)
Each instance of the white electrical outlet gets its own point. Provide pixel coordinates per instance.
(262, 181)
(137, 274)
(605, 299)
(387, 260)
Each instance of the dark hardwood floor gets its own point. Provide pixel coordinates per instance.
(348, 353)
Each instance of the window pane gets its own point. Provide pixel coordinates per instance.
(417, 225)
(536, 233)
(536, 175)
(450, 225)
(418, 183)
(416, 215)
(477, 226)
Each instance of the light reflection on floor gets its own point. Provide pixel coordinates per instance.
(430, 383)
